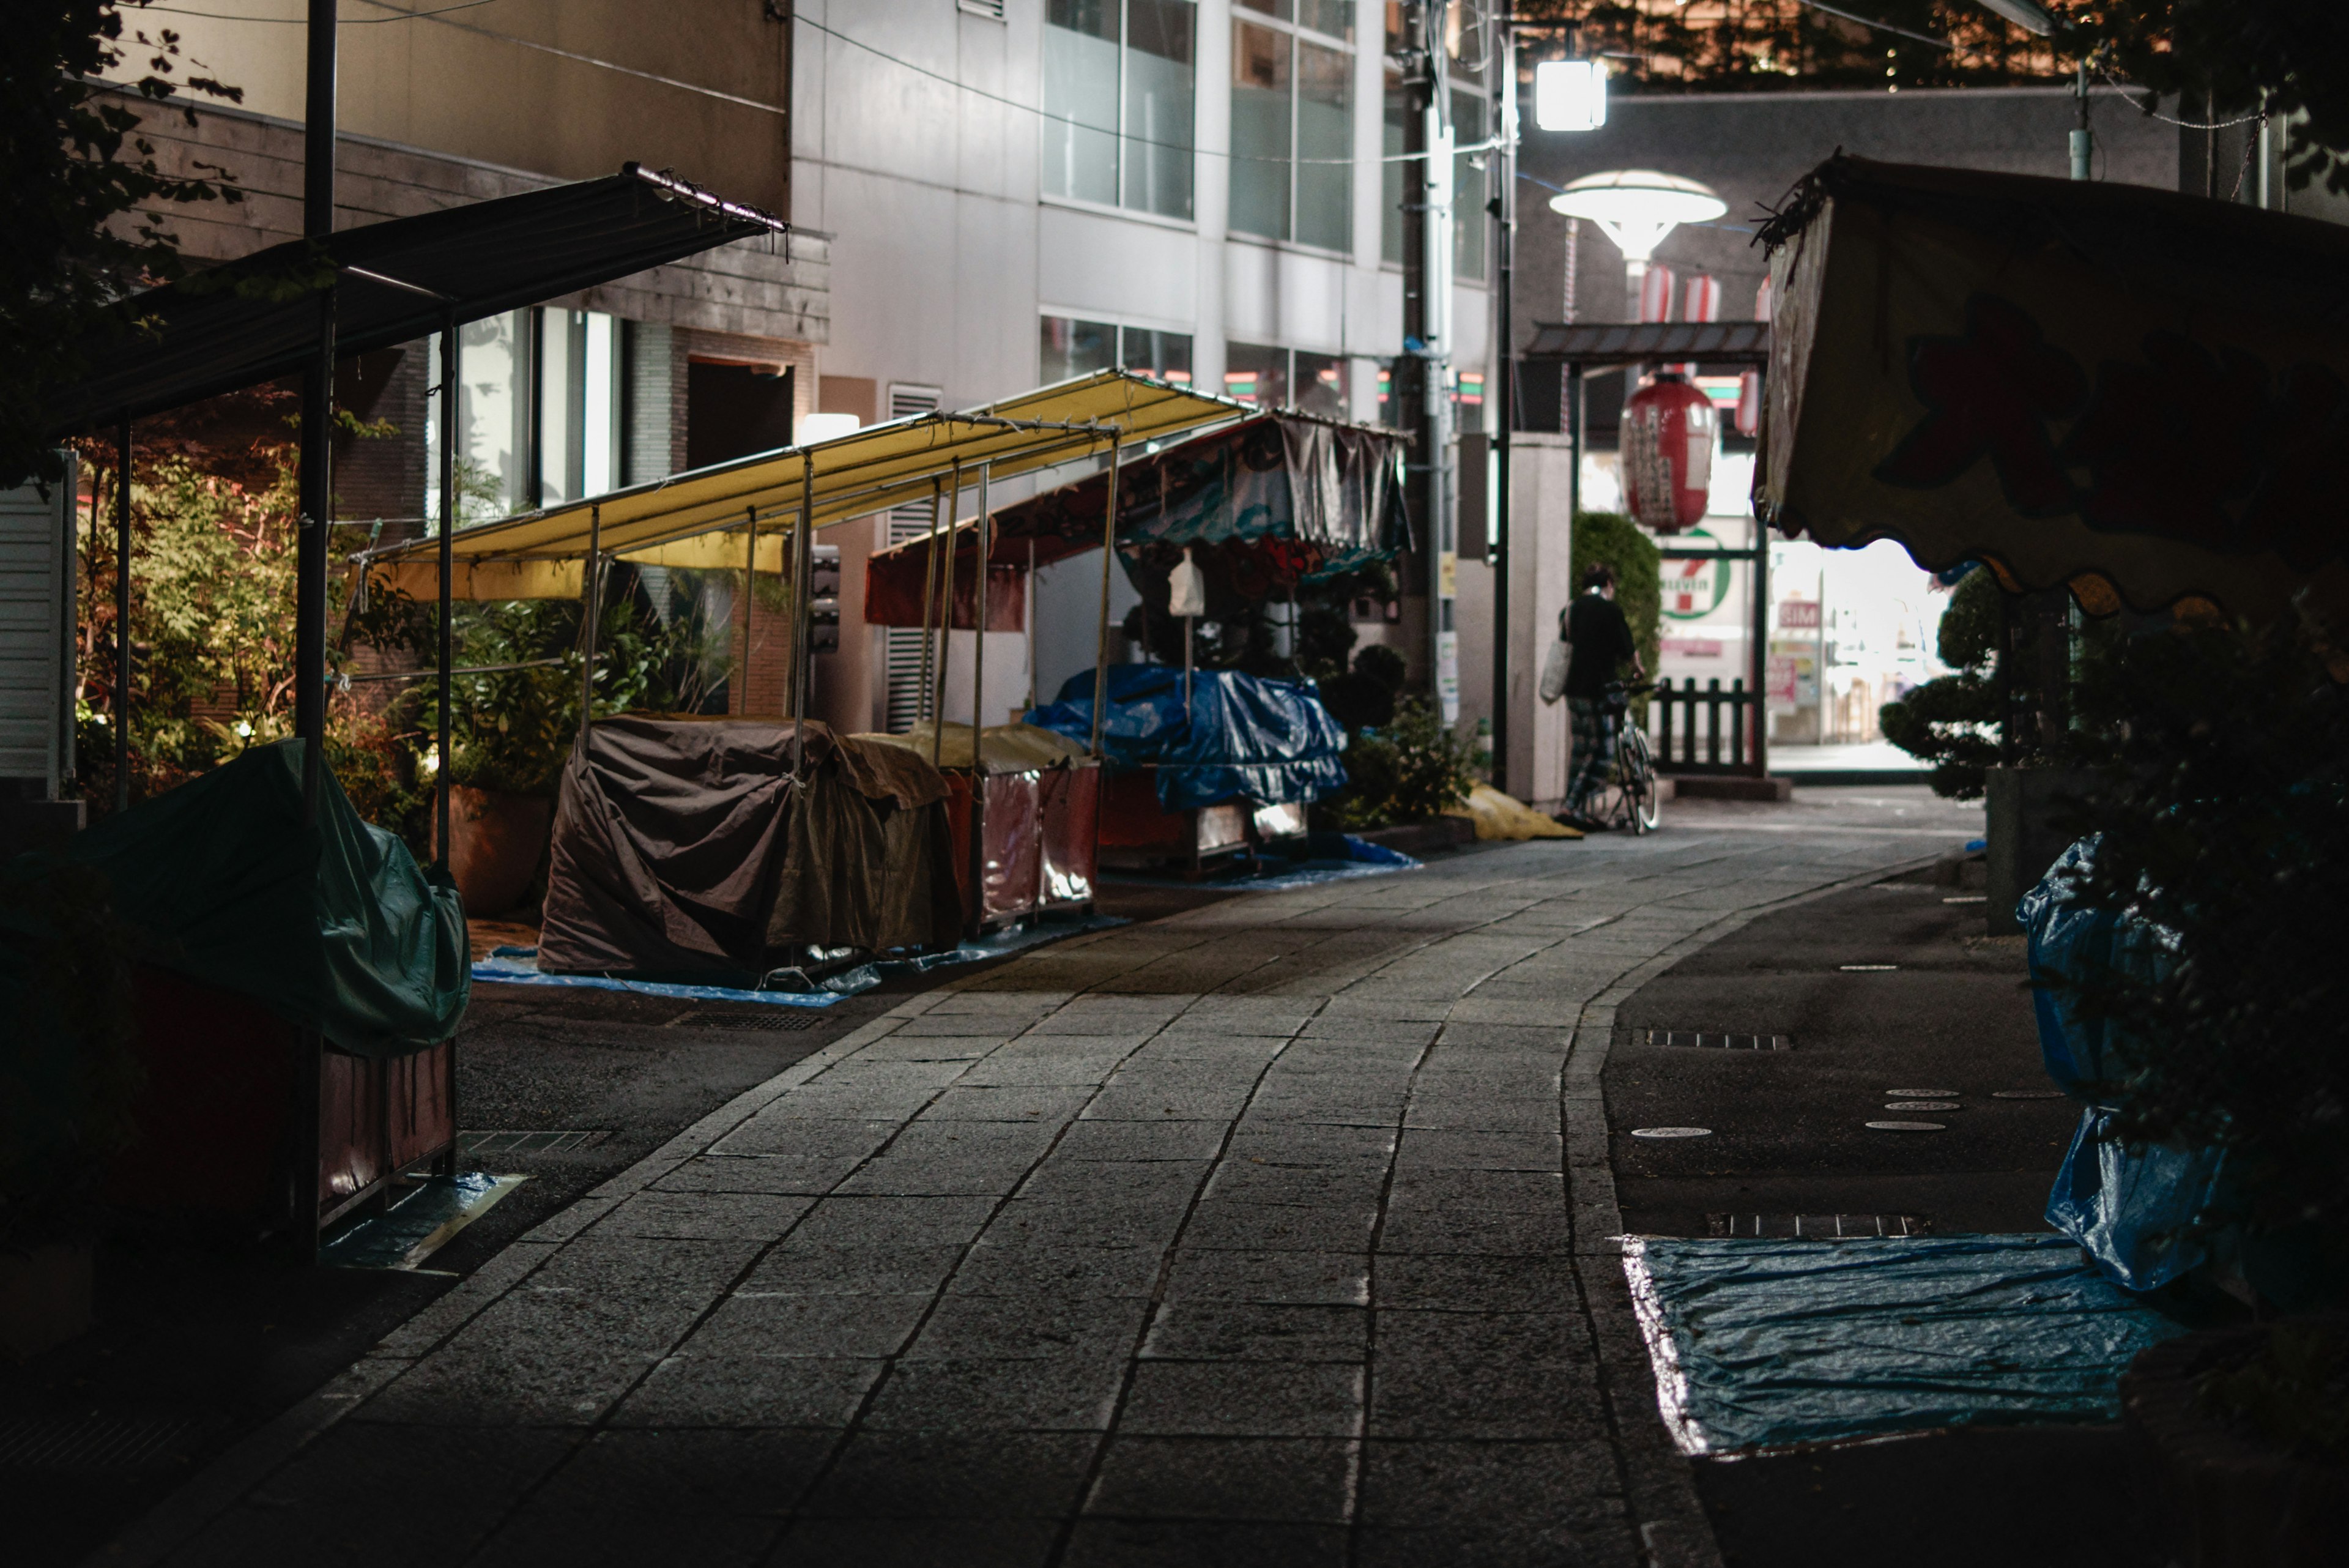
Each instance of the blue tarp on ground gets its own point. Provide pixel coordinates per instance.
(1761, 1343)
(1269, 740)
(2133, 1210)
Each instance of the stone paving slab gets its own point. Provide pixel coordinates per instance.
(1274, 1231)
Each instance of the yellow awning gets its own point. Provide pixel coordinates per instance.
(696, 519)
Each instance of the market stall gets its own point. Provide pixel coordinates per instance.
(761, 514)
(1260, 507)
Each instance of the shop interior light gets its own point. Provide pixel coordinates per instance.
(1637, 208)
(1569, 95)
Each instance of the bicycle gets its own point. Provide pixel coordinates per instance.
(1636, 799)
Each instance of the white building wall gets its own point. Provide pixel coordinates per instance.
(946, 252)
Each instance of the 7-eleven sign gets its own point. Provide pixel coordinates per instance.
(1695, 589)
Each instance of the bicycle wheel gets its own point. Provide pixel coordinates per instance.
(1636, 774)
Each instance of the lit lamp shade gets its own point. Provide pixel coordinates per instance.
(1569, 95)
(1636, 208)
(1667, 454)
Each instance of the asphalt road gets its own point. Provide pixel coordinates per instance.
(1789, 1138)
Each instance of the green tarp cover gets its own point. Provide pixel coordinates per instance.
(334, 926)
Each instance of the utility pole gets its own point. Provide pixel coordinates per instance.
(1427, 340)
(1503, 208)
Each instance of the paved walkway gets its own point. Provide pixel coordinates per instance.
(1277, 1231)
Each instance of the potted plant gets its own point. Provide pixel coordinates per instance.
(68, 1074)
(2222, 815)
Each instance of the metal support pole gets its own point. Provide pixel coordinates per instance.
(929, 604)
(1505, 404)
(945, 621)
(742, 703)
(590, 603)
(1028, 614)
(310, 575)
(123, 616)
(1109, 554)
(978, 916)
(1760, 660)
(802, 666)
(447, 650)
(2083, 144)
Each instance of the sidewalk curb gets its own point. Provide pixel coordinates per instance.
(1661, 1484)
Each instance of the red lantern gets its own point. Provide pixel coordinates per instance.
(1667, 453)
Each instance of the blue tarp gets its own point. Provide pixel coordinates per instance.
(1760, 1344)
(1269, 740)
(2132, 1210)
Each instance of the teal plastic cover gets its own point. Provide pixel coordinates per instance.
(333, 925)
(1762, 1344)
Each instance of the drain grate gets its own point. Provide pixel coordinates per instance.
(1816, 1227)
(95, 1441)
(479, 1142)
(765, 1018)
(1700, 1040)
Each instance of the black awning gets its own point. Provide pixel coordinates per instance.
(1647, 342)
(256, 319)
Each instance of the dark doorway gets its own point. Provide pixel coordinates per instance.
(733, 411)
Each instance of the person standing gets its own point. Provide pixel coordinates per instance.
(1594, 627)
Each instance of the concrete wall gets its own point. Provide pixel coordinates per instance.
(570, 89)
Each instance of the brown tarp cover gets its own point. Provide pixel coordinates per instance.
(683, 845)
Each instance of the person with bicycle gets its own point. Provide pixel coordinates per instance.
(1599, 639)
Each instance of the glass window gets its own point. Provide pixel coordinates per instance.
(1165, 355)
(1074, 348)
(1293, 125)
(1159, 77)
(1390, 172)
(1256, 373)
(1325, 143)
(538, 412)
(1321, 384)
(1113, 67)
(1469, 220)
(1259, 131)
(1468, 399)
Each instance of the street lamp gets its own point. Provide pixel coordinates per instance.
(1569, 95)
(1637, 208)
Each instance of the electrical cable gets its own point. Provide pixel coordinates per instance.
(398, 14)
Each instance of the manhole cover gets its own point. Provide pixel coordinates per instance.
(1924, 1106)
(96, 1441)
(1672, 1132)
(1820, 1226)
(765, 1018)
(1868, 968)
(1922, 1094)
(1907, 1127)
(1707, 1041)
(2027, 1093)
(528, 1140)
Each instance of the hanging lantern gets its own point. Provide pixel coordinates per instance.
(1656, 294)
(1749, 403)
(1667, 454)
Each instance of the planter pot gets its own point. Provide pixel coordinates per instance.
(495, 842)
(43, 1297)
(2233, 1501)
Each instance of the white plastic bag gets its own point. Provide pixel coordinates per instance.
(1554, 669)
(1186, 588)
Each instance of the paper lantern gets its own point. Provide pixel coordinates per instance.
(1667, 454)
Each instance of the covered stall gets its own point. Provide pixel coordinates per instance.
(293, 310)
(2135, 394)
(1259, 507)
(759, 514)
(256, 921)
